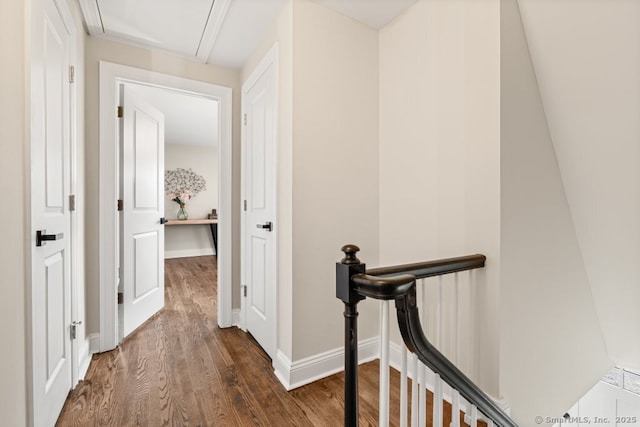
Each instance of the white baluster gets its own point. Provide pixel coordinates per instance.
(455, 408)
(439, 315)
(422, 395)
(474, 416)
(489, 423)
(384, 365)
(415, 393)
(456, 307)
(422, 376)
(404, 398)
(437, 402)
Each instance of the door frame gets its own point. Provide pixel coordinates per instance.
(111, 77)
(270, 61)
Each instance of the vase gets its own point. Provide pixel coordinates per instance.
(182, 213)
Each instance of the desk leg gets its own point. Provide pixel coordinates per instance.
(214, 235)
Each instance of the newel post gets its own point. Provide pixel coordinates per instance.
(345, 291)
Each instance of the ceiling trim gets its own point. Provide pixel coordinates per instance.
(212, 28)
(92, 17)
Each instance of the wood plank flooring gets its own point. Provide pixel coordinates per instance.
(180, 369)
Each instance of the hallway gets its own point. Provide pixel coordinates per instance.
(180, 369)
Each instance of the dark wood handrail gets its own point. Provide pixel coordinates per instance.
(432, 268)
(354, 283)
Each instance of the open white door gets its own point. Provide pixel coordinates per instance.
(142, 233)
(50, 216)
(259, 258)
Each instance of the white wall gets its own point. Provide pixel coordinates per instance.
(440, 156)
(552, 349)
(191, 240)
(99, 49)
(587, 61)
(14, 187)
(335, 169)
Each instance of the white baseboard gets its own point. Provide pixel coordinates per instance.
(188, 253)
(90, 346)
(236, 317)
(304, 371)
(94, 343)
(84, 358)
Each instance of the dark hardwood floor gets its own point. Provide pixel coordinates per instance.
(180, 369)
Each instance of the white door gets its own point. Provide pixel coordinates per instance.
(142, 192)
(50, 217)
(259, 262)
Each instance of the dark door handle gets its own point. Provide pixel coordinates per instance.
(266, 226)
(41, 237)
(163, 221)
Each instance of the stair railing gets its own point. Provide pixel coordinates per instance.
(354, 283)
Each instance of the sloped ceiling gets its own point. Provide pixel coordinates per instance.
(586, 56)
(221, 32)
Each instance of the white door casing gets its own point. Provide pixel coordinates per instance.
(142, 184)
(259, 136)
(50, 293)
(111, 78)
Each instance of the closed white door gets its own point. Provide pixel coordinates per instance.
(259, 269)
(50, 217)
(142, 190)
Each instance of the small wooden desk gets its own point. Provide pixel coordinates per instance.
(213, 225)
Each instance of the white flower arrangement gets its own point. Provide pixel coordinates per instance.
(180, 185)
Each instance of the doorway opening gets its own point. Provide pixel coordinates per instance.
(112, 78)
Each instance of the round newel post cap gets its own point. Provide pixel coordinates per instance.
(350, 252)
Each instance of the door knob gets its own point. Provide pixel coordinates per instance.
(163, 221)
(41, 237)
(266, 226)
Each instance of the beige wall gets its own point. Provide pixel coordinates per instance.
(13, 182)
(335, 169)
(440, 158)
(327, 168)
(103, 50)
(552, 348)
(191, 240)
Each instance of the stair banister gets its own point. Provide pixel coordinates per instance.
(354, 283)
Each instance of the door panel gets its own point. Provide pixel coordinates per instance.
(258, 271)
(142, 240)
(50, 183)
(55, 297)
(259, 258)
(145, 264)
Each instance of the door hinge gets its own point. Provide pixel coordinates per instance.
(120, 112)
(72, 74)
(120, 205)
(72, 202)
(120, 298)
(244, 290)
(245, 119)
(73, 330)
(245, 205)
